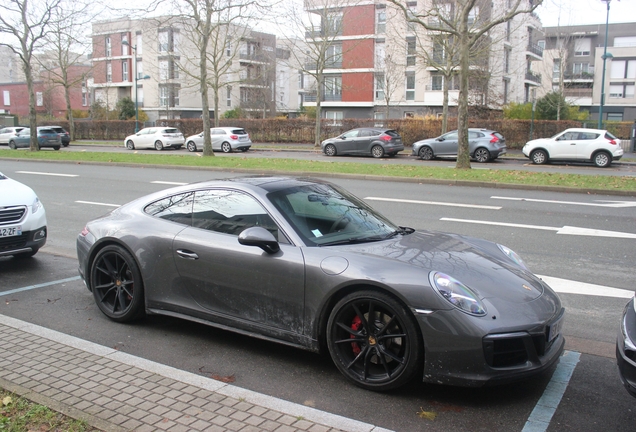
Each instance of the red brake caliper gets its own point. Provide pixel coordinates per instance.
(356, 324)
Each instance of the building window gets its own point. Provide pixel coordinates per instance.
(380, 54)
(333, 24)
(39, 99)
(84, 99)
(333, 56)
(615, 117)
(139, 45)
(580, 68)
(380, 20)
(124, 47)
(437, 82)
(379, 87)
(228, 48)
(473, 15)
(541, 44)
(582, 47)
(168, 95)
(333, 88)
(124, 70)
(411, 14)
(7, 97)
(379, 117)
(228, 98)
(410, 86)
(411, 50)
(621, 69)
(140, 70)
(619, 91)
(109, 72)
(556, 69)
(334, 118)
(108, 47)
(409, 114)
(301, 81)
(168, 40)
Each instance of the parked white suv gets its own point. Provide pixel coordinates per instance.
(585, 145)
(158, 138)
(22, 219)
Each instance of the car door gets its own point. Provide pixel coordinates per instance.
(473, 141)
(347, 142)
(363, 141)
(143, 138)
(587, 143)
(235, 282)
(564, 146)
(4, 135)
(447, 144)
(217, 136)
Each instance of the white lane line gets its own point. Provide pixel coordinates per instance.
(566, 286)
(42, 285)
(97, 203)
(547, 405)
(567, 230)
(169, 183)
(434, 203)
(615, 204)
(47, 174)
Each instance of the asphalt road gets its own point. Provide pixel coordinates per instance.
(598, 248)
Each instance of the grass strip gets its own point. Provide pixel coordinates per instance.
(264, 165)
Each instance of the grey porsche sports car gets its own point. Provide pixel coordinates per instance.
(305, 263)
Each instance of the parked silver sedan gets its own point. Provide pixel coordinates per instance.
(305, 263)
(158, 138)
(225, 139)
(483, 145)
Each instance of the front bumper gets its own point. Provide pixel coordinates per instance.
(470, 358)
(626, 349)
(29, 241)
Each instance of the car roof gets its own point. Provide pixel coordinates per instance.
(585, 130)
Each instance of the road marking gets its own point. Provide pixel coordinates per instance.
(566, 286)
(433, 203)
(46, 173)
(42, 285)
(613, 204)
(546, 406)
(568, 230)
(99, 204)
(169, 183)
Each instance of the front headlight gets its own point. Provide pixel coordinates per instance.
(514, 256)
(37, 205)
(458, 294)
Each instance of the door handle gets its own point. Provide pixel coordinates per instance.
(187, 254)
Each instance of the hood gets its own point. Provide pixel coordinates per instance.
(14, 193)
(538, 141)
(479, 264)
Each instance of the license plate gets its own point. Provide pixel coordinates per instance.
(11, 231)
(555, 329)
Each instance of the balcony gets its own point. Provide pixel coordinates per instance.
(582, 76)
(577, 93)
(533, 77)
(259, 57)
(309, 97)
(535, 50)
(328, 65)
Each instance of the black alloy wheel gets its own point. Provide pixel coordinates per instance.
(374, 341)
(116, 284)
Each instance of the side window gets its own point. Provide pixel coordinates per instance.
(229, 212)
(364, 133)
(176, 208)
(218, 132)
(473, 135)
(588, 136)
(451, 136)
(570, 136)
(351, 134)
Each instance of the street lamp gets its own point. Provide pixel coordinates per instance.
(134, 48)
(605, 56)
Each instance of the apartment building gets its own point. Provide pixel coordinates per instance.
(381, 66)
(156, 62)
(574, 62)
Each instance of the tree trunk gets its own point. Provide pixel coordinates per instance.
(463, 154)
(445, 104)
(35, 145)
(318, 113)
(205, 104)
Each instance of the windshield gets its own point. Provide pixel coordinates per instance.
(322, 215)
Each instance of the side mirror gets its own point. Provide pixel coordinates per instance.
(440, 139)
(259, 236)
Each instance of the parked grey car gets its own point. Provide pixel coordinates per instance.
(484, 145)
(364, 141)
(626, 348)
(46, 136)
(225, 139)
(305, 263)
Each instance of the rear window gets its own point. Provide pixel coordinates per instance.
(392, 133)
(46, 131)
(498, 135)
(59, 130)
(610, 136)
(239, 131)
(171, 130)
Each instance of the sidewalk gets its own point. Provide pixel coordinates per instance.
(115, 391)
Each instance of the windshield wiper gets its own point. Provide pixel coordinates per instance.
(353, 241)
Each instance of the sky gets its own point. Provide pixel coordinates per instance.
(574, 12)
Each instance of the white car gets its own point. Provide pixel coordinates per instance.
(585, 145)
(8, 132)
(225, 139)
(158, 138)
(22, 219)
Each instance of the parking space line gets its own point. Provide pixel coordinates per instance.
(168, 183)
(47, 173)
(545, 408)
(42, 285)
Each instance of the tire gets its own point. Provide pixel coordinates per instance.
(377, 151)
(130, 145)
(12, 145)
(482, 155)
(56, 147)
(116, 283)
(330, 150)
(158, 145)
(191, 146)
(226, 147)
(363, 349)
(602, 159)
(426, 153)
(539, 157)
(65, 145)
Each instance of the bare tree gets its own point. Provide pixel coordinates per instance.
(467, 21)
(27, 24)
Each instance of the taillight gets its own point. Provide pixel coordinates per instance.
(611, 141)
(384, 137)
(494, 139)
(234, 137)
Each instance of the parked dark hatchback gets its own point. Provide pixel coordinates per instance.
(364, 141)
(64, 136)
(47, 137)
